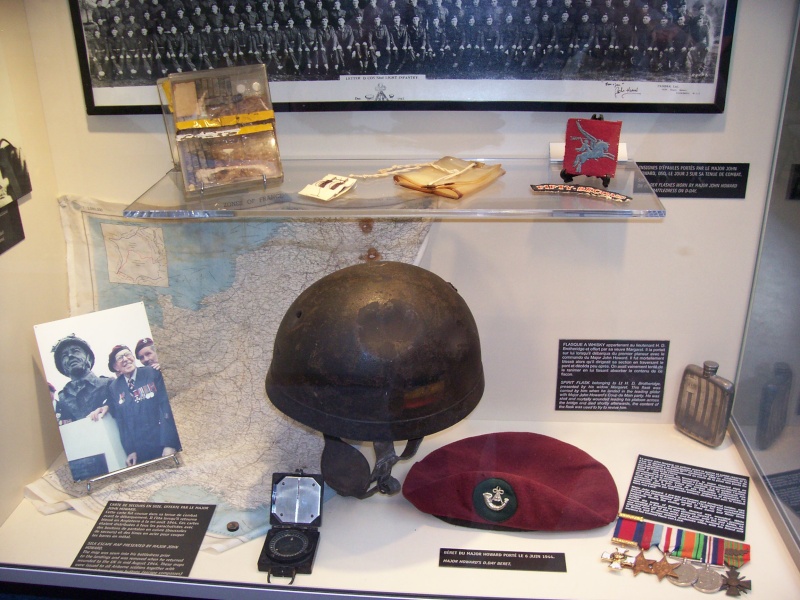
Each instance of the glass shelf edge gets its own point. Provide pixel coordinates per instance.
(383, 199)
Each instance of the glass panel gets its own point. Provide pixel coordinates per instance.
(766, 413)
(509, 197)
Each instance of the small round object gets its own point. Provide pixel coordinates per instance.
(233, 526)
(241, 88)
(708, 580)
(289, 543)
(366, 225)
(686, 575)
(256, 86)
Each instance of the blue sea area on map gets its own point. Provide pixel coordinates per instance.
(201, 261)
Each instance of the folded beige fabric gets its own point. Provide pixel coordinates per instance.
(450, 177)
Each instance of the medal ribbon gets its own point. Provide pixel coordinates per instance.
(735, 553)
(635, 531)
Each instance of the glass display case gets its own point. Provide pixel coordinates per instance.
(536, 269)
(766, 413)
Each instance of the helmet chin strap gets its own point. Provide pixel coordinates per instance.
(347, 471)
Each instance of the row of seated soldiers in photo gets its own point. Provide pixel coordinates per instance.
(129, 39)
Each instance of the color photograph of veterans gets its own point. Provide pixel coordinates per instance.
(138, 401)
(112, 413)
(134, 42)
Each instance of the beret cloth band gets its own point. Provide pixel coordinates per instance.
(515, 481)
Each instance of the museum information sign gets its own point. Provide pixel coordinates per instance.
(705, 500)
(618, 375)
(146, 537)
(497, 559)
(697, 180)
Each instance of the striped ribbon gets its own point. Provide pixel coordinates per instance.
(634, 531)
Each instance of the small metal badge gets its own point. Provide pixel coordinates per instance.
(708, 580)
(642, 564)
(664, 568)
(618, 560)
(686, 574)
(494, 499)
(733, 584)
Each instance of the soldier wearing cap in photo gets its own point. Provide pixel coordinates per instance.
(85, 391)
(137, 399)
(146, 353)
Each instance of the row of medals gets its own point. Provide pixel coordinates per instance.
(683, 574)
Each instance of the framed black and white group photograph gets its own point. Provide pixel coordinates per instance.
(594, 55)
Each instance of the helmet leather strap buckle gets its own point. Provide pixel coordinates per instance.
(347, 471)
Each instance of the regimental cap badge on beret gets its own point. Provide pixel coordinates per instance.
(513, 481)
(494, 499)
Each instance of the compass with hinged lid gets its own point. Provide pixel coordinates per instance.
(295, 516)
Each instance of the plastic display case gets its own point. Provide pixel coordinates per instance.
(221, 127)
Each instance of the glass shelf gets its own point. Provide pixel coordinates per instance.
(509, 197)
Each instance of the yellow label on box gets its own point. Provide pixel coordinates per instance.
(227, 121)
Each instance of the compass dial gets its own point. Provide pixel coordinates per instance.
(290, 543)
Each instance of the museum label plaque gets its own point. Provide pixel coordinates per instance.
(146, 537)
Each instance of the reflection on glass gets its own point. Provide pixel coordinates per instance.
(766, 413)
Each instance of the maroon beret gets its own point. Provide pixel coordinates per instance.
(514, 481)
(141, 344)
(112, 356)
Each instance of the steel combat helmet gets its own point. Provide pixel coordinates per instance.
(63, 343)
(378, 352)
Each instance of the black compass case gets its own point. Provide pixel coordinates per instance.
(295, 516)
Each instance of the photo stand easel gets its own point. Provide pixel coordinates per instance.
(173, 457)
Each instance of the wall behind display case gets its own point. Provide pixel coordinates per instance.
(33, 278)
(685, 279)
(767, 410)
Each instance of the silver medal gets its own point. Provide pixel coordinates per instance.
(686, 574)
(708, 580)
